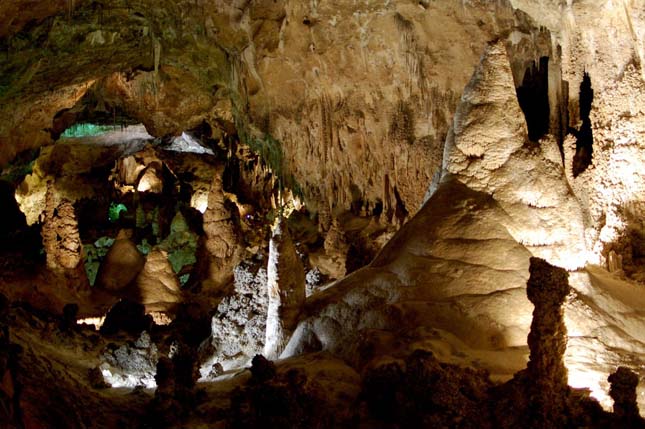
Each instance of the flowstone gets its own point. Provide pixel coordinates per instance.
(239, 324)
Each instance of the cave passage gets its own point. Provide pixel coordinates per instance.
(584, 136)
(533, 96)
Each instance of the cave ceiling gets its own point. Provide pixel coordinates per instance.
(360, 188)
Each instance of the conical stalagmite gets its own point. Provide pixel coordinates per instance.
(220, 249)
(121, 265)
(286, 288)
(488, 150)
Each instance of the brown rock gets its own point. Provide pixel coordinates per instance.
(547, 288)
(156, 286)
(220, 249)
(121, 265)
(62, 242)
(623, 392)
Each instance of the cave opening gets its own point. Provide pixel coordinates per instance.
(584, 136)
(533, 96)
(94, 114)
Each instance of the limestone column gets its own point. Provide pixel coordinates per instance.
(62, 241)
(286, 289)
(547, 288)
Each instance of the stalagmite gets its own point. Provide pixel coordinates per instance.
(62, 242)
(220, 248)
(286, 288)
(623, 392)
(488, 150)
(547, 289)
(122, 264)
(157, 286)
(336, 247)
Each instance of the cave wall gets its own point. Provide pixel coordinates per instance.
(358, 98)
(351, 101)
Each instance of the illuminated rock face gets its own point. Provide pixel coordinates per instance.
(354, 102)
(122, 264)
(62, 242)
(360, 106)
(611, 189)
(220, 248)
(449, 276)
(156, 286)
(489, 151)
(457, 266)
(285, 288)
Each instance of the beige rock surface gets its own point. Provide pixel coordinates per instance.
(220, 249)
(453, 278)
(121, 265)
(359, 116)
(489, 151)
(446, 280)
(156, 286)
(62, 242)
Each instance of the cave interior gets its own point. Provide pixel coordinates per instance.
(273, 213)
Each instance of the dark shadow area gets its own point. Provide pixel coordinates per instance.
(533, 96)
(584, 136)
(20, 244)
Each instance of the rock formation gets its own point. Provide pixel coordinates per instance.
(238, 327)
(156, 286)
(285, 288)
(122, 264)
(443, 161)
(220, 249)
(62, 242)
(547, 289)
(623, 392)
(488, 150)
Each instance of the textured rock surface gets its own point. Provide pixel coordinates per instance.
(285, 290)
(363, 131)
(451, 283)
(531, 201)
(62, 242)
(604, 40)
(349, 104)
(623, 392)
(489, 151)
(239, 324)
(547, 289)
(220, 249)
(130, 365)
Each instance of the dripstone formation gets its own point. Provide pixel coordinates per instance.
(352, 214)
(547, 289)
